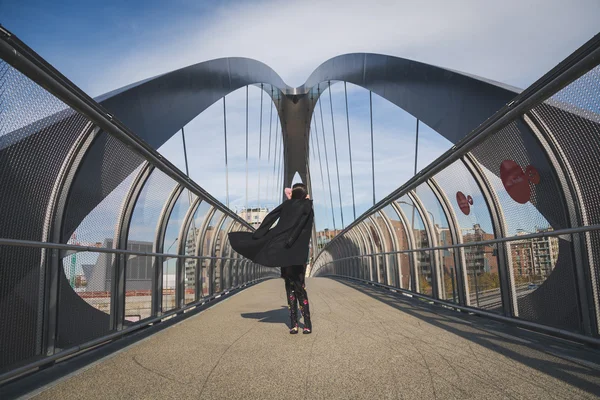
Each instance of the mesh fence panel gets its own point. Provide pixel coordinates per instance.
(449, 284)
(482, 277)
(402, 260)
(192, 237)
(169, 280)
(139, 270)
(138, 284)
(172, 240)
(475, 224)
(106, 164)
(84, 310)
(150, 202)
(423, 258)
(532, 203)
(37, 132)
(207, 241)
(93, 211)
(19, 306)
(572, 118)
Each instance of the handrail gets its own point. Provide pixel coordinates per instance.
(558, 232)
(92, 249)
(9, 375)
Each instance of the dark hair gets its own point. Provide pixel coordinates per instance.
(299, 191)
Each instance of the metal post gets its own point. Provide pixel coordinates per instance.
(157, 285)
(429, 226)
(459, 254)
(188, 221)
(507, 286)
(50, 262)
(117, 313)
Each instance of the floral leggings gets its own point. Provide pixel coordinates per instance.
(296, 293)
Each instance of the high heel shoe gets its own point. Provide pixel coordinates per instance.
(294, 330)
(307, 326)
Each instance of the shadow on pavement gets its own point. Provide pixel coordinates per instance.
(573, 363)
(278, 316)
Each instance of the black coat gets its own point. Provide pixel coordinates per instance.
(284, 245)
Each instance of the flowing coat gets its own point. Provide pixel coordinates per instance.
(286, 244)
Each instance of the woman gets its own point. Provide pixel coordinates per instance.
(284, 246)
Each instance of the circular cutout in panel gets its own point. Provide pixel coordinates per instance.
(463, 203)
(515, 182)
(532, 174)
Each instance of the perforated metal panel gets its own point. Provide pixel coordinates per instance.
(192, 237)
(37, 132)
(19, 306)
(106, 164)
(138, 283)
(139, 270)
(84, 312)
(442, 237)
(171, 245)
(94, 204)
(543, 271)
(572, 118)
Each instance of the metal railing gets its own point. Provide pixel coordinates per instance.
(536, 127)
(41, 348)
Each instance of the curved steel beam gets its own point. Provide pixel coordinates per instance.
(156, 108)
(450, 102)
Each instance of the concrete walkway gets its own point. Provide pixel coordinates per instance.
(367, 344)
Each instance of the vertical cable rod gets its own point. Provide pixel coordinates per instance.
(372, 147)
(416, 146)
(350, 151)
(246, 152)
(260, 140)
(337, 167)
(187, 172)
(319, 154)
(326, 158)
(275, 152)
(278, 176)
(270, 130)
(226, 165)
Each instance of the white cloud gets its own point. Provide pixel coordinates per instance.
(511, 41)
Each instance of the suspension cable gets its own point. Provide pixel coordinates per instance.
(350, 151)
(337, 167)
(326, 159)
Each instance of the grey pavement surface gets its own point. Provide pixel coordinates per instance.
(367, 344)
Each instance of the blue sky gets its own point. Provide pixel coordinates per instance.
(102, 46)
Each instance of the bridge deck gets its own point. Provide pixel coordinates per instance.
(367, 343)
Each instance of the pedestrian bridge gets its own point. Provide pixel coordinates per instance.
(475, 276)
(367, 343)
